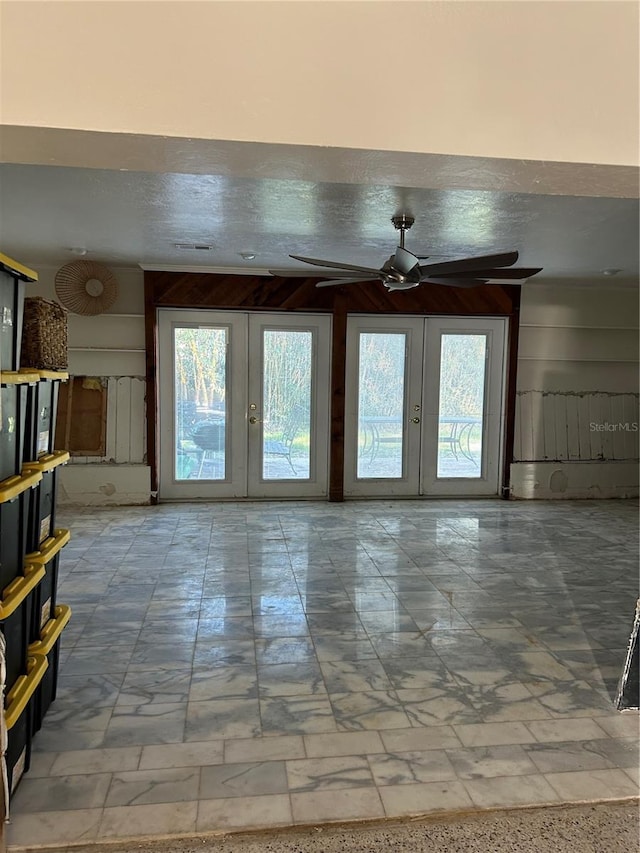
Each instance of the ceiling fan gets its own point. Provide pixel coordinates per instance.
(403, 269)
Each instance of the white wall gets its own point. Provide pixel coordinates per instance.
(577, 419)
(110, 346)
(547, 81)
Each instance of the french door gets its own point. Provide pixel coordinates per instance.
(424, 405)
(244, 404)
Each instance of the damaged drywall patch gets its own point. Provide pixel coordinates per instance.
(573, 480)
(105, 485)
(558, 482)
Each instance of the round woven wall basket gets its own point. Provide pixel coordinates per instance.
(86, 287)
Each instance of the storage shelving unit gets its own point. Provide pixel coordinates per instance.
(31, 619)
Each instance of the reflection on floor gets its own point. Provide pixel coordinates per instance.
(265, 664)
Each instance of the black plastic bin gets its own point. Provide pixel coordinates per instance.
(15, 391)
(44, 598)
(15, 538)
(19, 713)
(11, 316)
(49, 646)
(16, 621)
(41, 417)
(42, 503)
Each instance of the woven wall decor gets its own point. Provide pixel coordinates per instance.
(86, 287)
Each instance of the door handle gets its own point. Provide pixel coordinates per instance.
(254, 420)
(415, 420)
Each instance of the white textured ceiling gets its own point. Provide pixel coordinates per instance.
(133, 206)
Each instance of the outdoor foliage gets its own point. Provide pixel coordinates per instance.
(462, 372)
(382, 380)
(200, 366)
(201, 376)
(287, 380)
(201, 370)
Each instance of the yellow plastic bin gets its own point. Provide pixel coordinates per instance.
(41, 418)
(44, 600)
(49, 646)
(18, 714)
(42, 505)
(16, 621)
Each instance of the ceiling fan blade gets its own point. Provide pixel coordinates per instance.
(403, 261)
(510, 272)
(335, 282)
(506, 259)
(455, 282)
(336, 265)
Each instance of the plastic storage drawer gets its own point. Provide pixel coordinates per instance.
(19, 713)
(41, 419)
(49, 646)
(15, 389)
(16, 621)
(44, 599)
(15, 542)
(42, 504)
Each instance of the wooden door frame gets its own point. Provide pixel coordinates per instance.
(219, 291)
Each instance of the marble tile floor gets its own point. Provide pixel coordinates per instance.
(255, 665)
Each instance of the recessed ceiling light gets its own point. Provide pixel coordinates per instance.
(611, 271)
(247, 256)
(78, 251)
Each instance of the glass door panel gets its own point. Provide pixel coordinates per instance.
(286, 392)
(288, 405)
(200, 373)
(202, 358)
(383, 405)
(463, 362)
(381, 394)
(463, 392)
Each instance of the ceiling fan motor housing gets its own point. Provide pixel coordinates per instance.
(402, 221)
